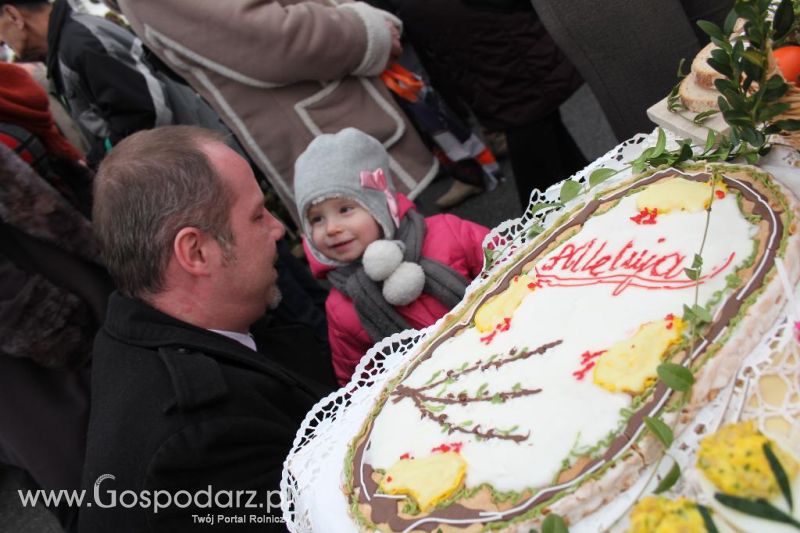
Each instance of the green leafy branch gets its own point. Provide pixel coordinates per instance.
(750, 93)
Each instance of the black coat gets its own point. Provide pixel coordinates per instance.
(176, 407)
(493, 56)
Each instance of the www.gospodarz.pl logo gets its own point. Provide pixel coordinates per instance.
(104, 496)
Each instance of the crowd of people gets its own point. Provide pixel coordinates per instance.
(155, 326)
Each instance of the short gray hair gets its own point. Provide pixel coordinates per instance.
(152, 185)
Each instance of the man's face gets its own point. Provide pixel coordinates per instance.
(247, 279)
(15, 31)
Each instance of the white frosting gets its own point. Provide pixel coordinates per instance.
(587, 316)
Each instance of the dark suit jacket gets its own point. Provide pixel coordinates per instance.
(179, 408)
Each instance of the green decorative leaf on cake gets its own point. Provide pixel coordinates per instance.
(569, 190)
(697, 314)
(435, 408)
(517, 386)
(711, 138)
(554, 524)
(535, 208)
(534, 230)
(702, 313)
(676, 377)
(759, 508)
(711, 527)
(600, 175)
(434, 376)
(669, 480)
(701, 117)
(662, 431)
(661, 144)
(780, 475)
(693, 272)
(488, 256)
(509, 430)
(481, 389)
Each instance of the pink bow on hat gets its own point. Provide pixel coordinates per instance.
(377, 180)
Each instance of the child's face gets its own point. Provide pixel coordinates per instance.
(342, 229)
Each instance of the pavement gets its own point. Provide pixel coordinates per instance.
(585, 121)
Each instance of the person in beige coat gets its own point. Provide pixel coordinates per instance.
(281, 72)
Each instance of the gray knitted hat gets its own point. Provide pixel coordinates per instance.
(336, 165)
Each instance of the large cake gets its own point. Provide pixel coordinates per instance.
(531, 397)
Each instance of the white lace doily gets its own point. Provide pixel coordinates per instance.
(311, 487)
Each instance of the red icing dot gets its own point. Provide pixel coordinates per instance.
(405, 456)
(662, 239)
(388, 479)
(720, 194)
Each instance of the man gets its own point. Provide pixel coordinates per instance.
(112, 89)
(184, 400)
(281, 72)
(99, 70)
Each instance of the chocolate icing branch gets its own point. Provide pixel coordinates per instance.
(431, 405)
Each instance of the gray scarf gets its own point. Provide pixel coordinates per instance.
(379, 318)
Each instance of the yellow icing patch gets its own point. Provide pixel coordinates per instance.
(678, 194)
(733, 460)
(655, 514)
(630, 365)
(500, 306)
(428, 480)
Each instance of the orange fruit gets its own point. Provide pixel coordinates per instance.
(788, 59)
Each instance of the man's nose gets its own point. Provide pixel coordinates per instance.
(276, 226)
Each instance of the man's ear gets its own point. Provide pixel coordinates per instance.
(13, 14)
(193, 251)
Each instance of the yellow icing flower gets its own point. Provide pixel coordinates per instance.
(733, 460)
(630, 365)
(679, 194)
(501, 306)
(427, 480)
(655, 514)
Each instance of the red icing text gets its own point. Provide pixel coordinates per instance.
(591, 263)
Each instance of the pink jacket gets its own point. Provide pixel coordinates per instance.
(450, 240)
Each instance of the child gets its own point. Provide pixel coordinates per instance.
(391, 269)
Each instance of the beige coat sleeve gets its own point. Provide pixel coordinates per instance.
(267, 42)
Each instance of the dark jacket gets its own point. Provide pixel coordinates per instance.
(52, 299)
(52, 288)
(494, 57)
(103, 75)
(176, 407)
